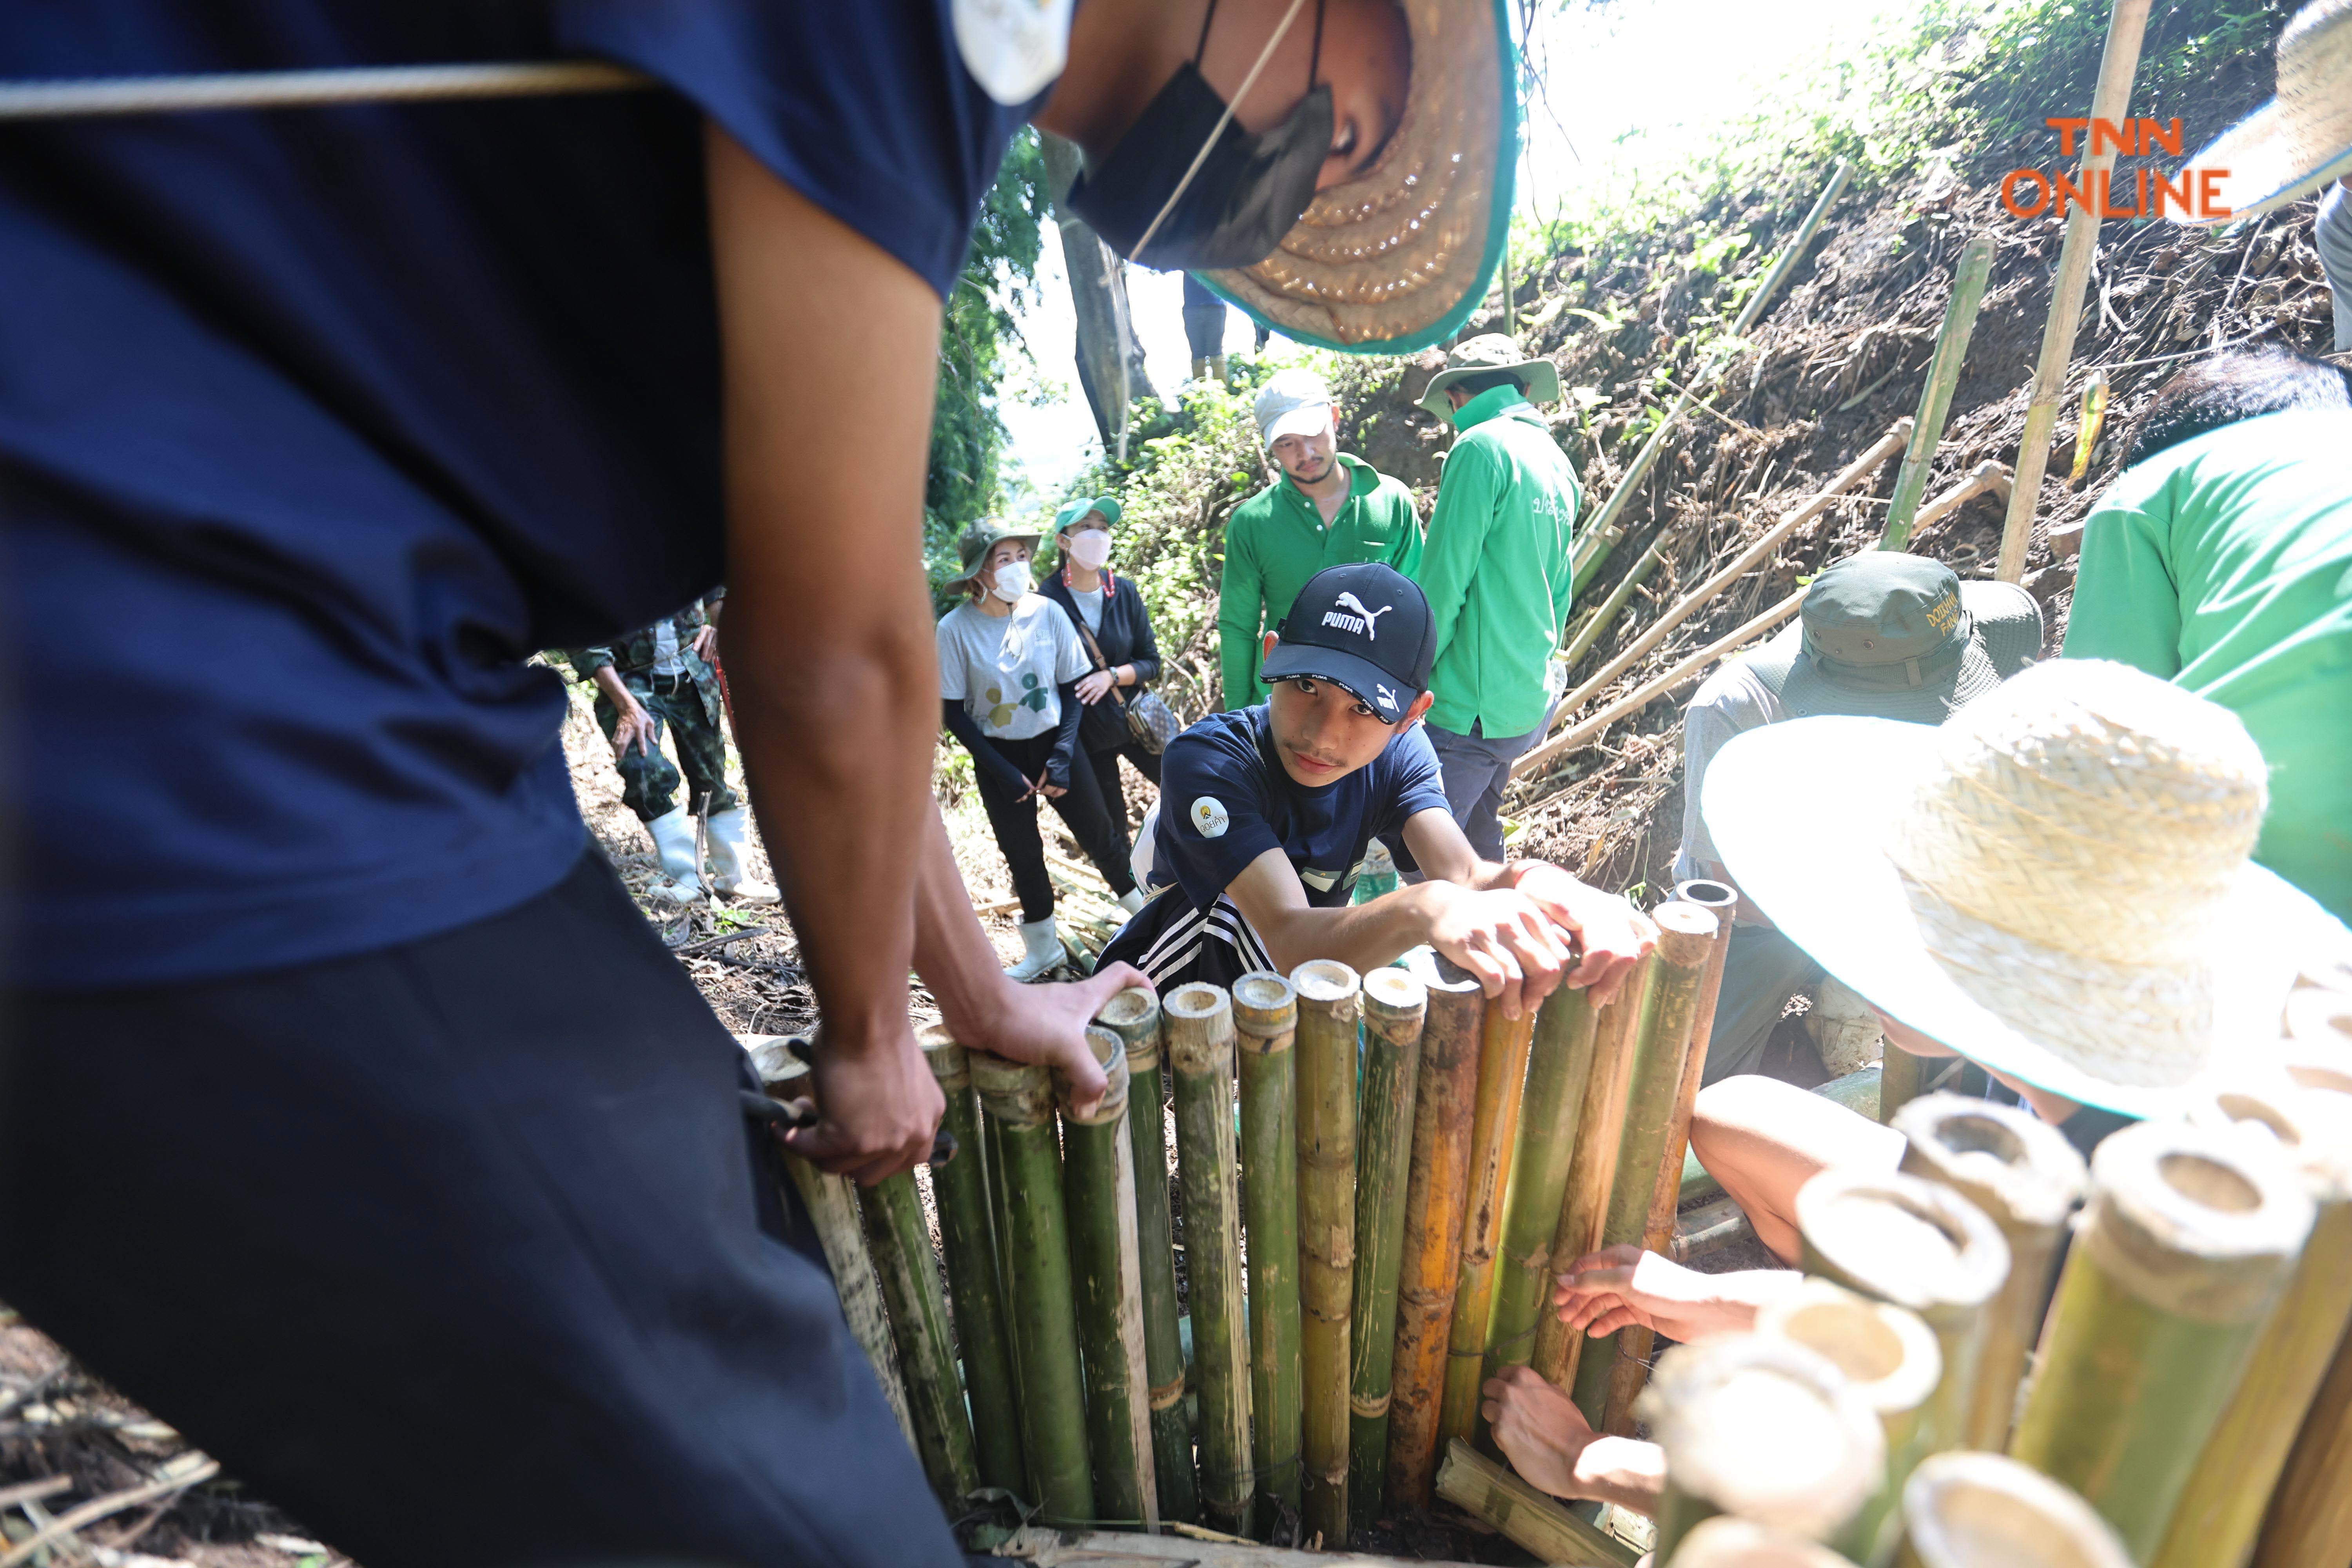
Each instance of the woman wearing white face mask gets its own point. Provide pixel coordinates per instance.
(1123, 655)
(1010, 665)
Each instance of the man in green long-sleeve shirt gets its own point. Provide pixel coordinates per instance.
(1494, 568)
(1327, 509)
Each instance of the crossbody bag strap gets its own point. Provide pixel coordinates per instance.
(1095, 649)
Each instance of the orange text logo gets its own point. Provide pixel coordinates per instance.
(2030, 193)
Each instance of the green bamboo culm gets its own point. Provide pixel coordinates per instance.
(1966, 1509)
(1134, 1017)
(1199, 1036)
(1265, 1023)
(968, 1242)
(1935, 396)
(900, 1242)
(2191, 1235)
(1395, 1004)
(1018, 1100)
(1503, 1046)
(1327, 994)
(1099, 1184)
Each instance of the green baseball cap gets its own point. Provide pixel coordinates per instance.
(971, 549)
(1078, 509)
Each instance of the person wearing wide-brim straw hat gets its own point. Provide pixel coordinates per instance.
(2302, 138)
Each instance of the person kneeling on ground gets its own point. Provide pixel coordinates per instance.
(2055, 884)
(1265, 812)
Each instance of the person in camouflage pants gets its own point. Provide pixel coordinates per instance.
(663, 673)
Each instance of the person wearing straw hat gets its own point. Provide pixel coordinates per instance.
(321, 422)
(2301, 139)
(1495, 570)
(1113, 623)
(1324, 508)
(1884, 635)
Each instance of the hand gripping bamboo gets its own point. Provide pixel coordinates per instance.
(2220, 1511)
(1199, 1040)
(1266, 1031)
(1983, 1510)
(1099, 1187)
(1134, 1017)
(2189, 1236)
(1722, 1543)
(2023, 1175)
(1898, 1239)
(899, 1240)
(1019, 1100)
(1395, 1005)
(1529, 1517)
(1327, 1009)
(2310, 1520)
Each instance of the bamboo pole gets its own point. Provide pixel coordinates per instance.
(2189, 1236)
(1266, 1025)
(1019, 1099)
(1935, 396)
(1434, 1190)
(1395, 1006)
(1608, 1383)
(1601, 619)
(1107, 1275)
(1328, 1010)
(1983, 1510)
(2109, 101)
(1592, 1168)
(2019, 1172)
(1721, 901)
(2220, 1513)
(1764, 1430)
(1527, 1515)
(1503, 1047)
(1723, 1542)
(1134, 1016)
(899, 1240)
(2309, 1524)
(1987, 478)
(1191, 1547)
(1889, 1355)
(1200, 1037)
(1901, 1076)
(1898, 1239)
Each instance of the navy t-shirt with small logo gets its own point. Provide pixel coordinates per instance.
(1225, 800)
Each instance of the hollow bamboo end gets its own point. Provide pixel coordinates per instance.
(1718, 899)
(1726, 1543)
(1685, 933)
(1200, 1028)
(1018, 1094)
(1264, 1007)
(1395, 996)
(1325, 981)
(1110, 1055)
(784, 1075)
(2004, 1159)
(1887, 1353)
(1134, 1016)
(2195, 1220)
(2310, 1129)
(1903, 1239)
(1984, 1510)
(1768, 1430)
(944, 1054)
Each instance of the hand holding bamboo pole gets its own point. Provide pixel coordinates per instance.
(1328, 1010)
(1395, 1006)
(1982, 1511)
(1529, 1517)
(1199, 1040)
(1266, 1025)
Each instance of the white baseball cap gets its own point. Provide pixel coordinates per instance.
(1293, 402)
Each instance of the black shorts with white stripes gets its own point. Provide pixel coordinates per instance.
(1175, 944)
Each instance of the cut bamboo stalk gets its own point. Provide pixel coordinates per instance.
(1606, 1387)
(1889, 1355)
(1935, 396)
(1503, 1049)
(1601, 619)
(1988, 478)
(2126, 25)
(1761, 1429)
(2220, 1513)
(1019, 1099)
(1107, 1274)
(2189, 1236)
(1395, 1006)
(1266, 1025)
(1901, 1076)
(1435, 1189)
(1134, 1016)
(1199, 1040)
(1898, 1239)
(2019, 1172)
(1743, 1543)
(967, 1239)
(899, 1240)
(1190, 1547)
(1526, 1514)
(2309, 1524)
(1983, 1510)
(1592, 1168)
(831, 1204)
(1327, 1009)
(1721, 901)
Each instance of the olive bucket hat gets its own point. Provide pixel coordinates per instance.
(1484, 355)
(1889, 636)
(971, 549)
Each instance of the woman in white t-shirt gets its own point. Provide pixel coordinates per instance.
(1009, 665)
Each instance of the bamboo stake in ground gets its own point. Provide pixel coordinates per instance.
(1599, 1127)
(1723, 1542)
(2020, 1172)
(1445, 1103)
(2220, 1511)
(1134, 1017)
(1019, 1099)
(1199, 1040)
(900, 1243)
(1098, 1186)
(1982, 1511)
(1935, 396)
(1395, 1005)
(1601, 619)
(1528, 1516)
(1266, 1023)
(1607, 1383)
(2189, 1236)
(1325, 1050)
(1494, 1136)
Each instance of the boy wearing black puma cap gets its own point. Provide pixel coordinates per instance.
(1265, 814)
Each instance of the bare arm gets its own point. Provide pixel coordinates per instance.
(632, 725)
(1542, 1432)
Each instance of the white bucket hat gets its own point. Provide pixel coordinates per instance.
(2301, 139)
(2054, 882)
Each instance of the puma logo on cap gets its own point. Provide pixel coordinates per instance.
(1360, 622)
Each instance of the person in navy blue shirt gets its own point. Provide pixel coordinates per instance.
(1265, 814)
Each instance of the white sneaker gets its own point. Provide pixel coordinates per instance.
(729, 872)
(673, 842)
(1132, 899)
(1042, 945)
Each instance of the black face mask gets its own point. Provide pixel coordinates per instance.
(1248, 192)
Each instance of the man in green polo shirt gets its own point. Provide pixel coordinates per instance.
(2221, 560)
(1495, 570)
(1327, 509)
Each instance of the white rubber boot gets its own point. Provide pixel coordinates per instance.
(1043, 945)
(1132, 899)
(673, 842)
(729, 867)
